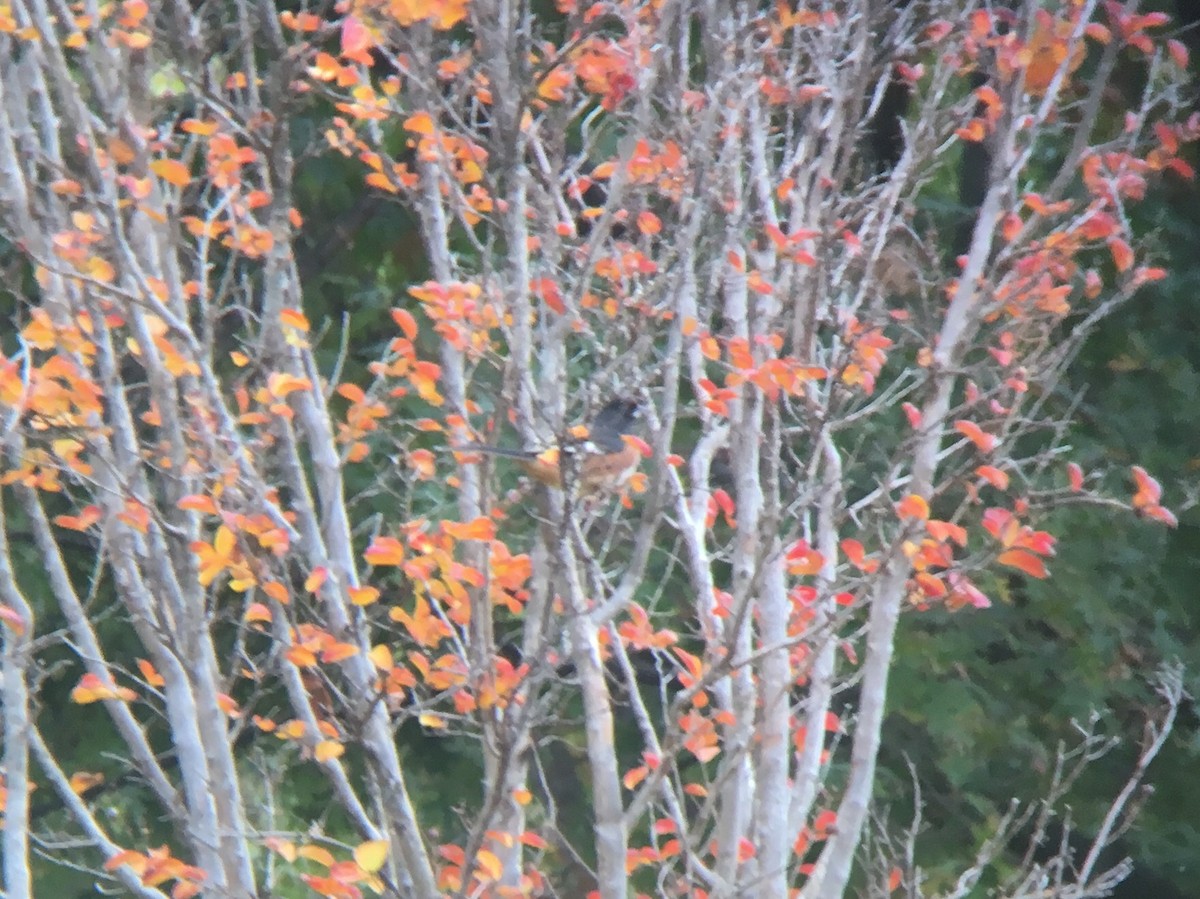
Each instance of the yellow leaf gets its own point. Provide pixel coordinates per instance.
(286, 848)
(381, 656)
(100, 269)
(172, 171)
(328, 750)
(371, 855)
(489, 864)
(293, 730)
(435, 722)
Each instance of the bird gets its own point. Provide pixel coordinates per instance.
(606, 459)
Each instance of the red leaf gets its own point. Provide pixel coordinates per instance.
(1149, 491)
(854, 551)
(1158, 513)
(356, 40)
(548, 292)
(1179, 53)
(1075, 475)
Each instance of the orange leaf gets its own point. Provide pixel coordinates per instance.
(993, 476)
(1025, 561)
(634, 776)
(931, 585)
(802, 559)
(151, 675)
(984, 441)
(317, 854)
(1149, 491)
(479, 529)
(135, 860)
(294, 318)
(82, 781)
(172, 171)
(419, 123)
(301, 657)
(363, 596)
(649, 223)
(338, 652)
(256, 611)
(66, 186)
(973, 132)
(1122, 254)
(197, 502)
(313, 582)
(384, 551)
(407, 323)
(199, 127)
(913, 506)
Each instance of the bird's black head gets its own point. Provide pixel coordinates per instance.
(618, 417)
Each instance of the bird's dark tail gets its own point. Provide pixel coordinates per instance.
(495, 451)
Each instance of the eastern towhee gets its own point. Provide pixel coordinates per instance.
(606, 458)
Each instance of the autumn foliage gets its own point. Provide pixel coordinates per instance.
(245, 550)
